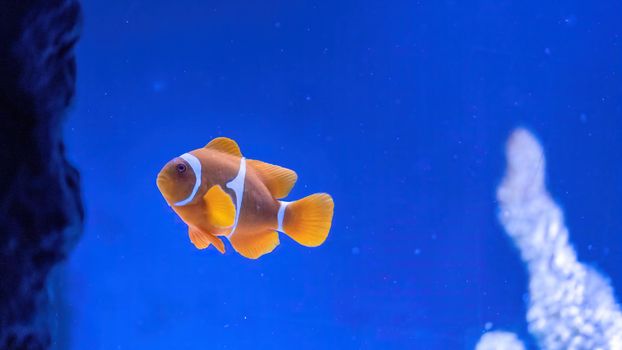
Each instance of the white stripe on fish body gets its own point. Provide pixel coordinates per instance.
(281, 215)
(237, 185)
(195, 164)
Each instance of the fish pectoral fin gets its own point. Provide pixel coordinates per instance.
(220, 207)
(225, 145)
(255, 245)
(278, 180)
(202, 240)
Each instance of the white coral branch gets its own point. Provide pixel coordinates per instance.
(571, 305)
(499, 340)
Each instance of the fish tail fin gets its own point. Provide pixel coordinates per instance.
(308, 220)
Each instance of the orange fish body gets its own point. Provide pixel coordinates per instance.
(219, 193)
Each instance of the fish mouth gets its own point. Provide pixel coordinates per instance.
(160, 181)
(163, 183)
(168, 188)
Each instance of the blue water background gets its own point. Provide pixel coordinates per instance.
(399, 109)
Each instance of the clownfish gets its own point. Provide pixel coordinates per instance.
(219, 193)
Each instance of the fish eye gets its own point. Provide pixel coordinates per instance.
(181, 168)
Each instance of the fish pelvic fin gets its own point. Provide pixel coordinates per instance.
(220, 207)
(254, 245)
(278, 180)
(308, 220)
(202, 240)
(225, 145)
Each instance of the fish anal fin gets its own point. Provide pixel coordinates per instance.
(220, 207)
(254, 245)
(278, 180)
(225, 145)
(202, 240)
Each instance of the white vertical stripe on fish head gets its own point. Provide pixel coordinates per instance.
(195, 164)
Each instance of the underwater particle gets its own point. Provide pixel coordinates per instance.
(356, 251)
(570, 20)
(488, 326)
(499, 340)
(571, 306)
(158, 86)
(215, 210)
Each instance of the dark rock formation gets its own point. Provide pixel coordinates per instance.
(40, 208)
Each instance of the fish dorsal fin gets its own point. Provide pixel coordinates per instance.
(202, 240)
(224, 145)
(279, 180)
(254, 245)
(220, 207)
